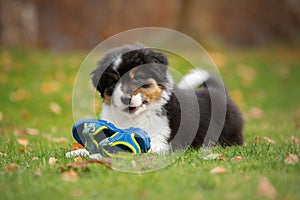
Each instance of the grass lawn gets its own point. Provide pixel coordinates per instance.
(36, 120)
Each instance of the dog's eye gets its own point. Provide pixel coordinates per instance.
(147, 85)
(109, 91)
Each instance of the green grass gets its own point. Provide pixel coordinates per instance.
(265, 79)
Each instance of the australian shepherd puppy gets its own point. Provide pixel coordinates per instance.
(138, 91)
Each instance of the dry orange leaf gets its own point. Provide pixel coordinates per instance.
(23, 141)
(78, 159)
(50, 87)
(107, 162)
(222, 157)
(218, 170)
(12, 166)
(19, 132)
(70, 175)
(32, 131)
(219, 59)
(22, 150)
(76, 146)
(268, 140)
(52, 160)
(19, 95)
(265, 188)
(54, 107)
(291, 159)
(294, 140)
(237, 158)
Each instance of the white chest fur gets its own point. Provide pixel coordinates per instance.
(157, 126)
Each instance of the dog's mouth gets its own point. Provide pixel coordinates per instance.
(133, 109)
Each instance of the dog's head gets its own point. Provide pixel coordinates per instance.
(132, 78)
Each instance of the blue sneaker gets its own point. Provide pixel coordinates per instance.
(100, 136)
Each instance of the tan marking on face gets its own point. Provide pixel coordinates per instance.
(151, 93)
(107, 99)
(115, 76)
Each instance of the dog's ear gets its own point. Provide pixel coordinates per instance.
(103, 77)
(159, 60)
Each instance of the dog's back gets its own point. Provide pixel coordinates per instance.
(203, 116)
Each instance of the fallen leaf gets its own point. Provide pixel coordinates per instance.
(255, 113)
(18, 132)
(76, 146)
(19, 95)
(107, 162)
(22, 150)
(23, 141)
(238, 98)
(246, 73)
(59, 140)
(78, 159)
(294, 140)
(133, 163)
(25, 114)
(77, 193)
(265, 188)
(3, 154)
(256, 139)
(3, 131)
(1, 116)
(12, 167)
(32, 131)
(38, 172)
(52, 160)
(54, 107)
(218, 170)
(237, 158)
(35, 158)
(268, 140)
(56, 140)
(222, 157)
(291, 159)
(219, 59)
(70, 175)
(50, 87)
(211, 156)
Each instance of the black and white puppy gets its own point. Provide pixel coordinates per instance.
(138, 91)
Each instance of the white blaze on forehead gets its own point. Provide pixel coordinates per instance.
(117, 62)
(136, 100)
(117, 94)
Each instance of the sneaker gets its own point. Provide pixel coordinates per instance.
(100, 136)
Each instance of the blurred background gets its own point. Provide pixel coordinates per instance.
(73, 25)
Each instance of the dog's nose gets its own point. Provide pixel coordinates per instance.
(125, 100)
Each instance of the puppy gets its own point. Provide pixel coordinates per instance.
(138, 91)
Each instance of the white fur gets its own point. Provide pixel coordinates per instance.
(193, 79)
(136, 100)
(145, 118)
(116, 98)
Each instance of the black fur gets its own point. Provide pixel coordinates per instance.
(182, 109)
(231, 133)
